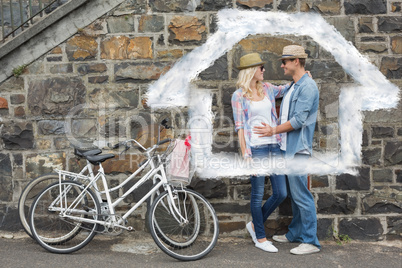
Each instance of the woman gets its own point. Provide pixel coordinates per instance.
(253, 104)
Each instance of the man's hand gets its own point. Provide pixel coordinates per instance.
(265, 130)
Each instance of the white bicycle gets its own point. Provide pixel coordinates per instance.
(66, 215)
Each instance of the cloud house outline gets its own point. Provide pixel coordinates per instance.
(373, 91)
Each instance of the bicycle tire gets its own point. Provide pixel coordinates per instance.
(192, 240)
(61, 234)
(28, 195)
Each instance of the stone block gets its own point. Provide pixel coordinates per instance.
(151, 23)
(287, 5)
(61, 143)
(187, 30)
(277, 226)
(336, 204)
(112, 127)
(171, 6)
(382, 175)
(10, 219)
(394, 226)
(228, 227)
(138, 193)
(54, 58)
(325, 229)
(19, 111)
(209, 188)
(381, 201)
(327, 70)
(361, 182)
(139, 72)
(13, 84)
(122, 47)
(132, 7)
(81, 47)
(121, 24)
(84, 128)
(391, 67)
(393, 153)
(365, 139)
(372, 39)
(55, 96)
(396, 7)
(6, 184)
(56, 50)
(214, 5)
(89, 68)
(319, 182)
(218, 71)
(39, 164)
(114, 99)
(382, 132)
(367, 229)
(256, 4)
(329, 98)
(98, 79)
(377, 48)
(398, 173)
(324, 7)
(213, 23)
(372, 156)
(51, 127)
(17, 136)
(63, 68)
(171, 54)
(17, 98)
(43, 144)
(3, 103)
(365, 7)
(232, 208)
(345, 25)
(390, 24)
(396, 44)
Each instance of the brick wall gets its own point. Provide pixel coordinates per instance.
(96, 81)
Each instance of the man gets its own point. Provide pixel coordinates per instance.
(297, 122)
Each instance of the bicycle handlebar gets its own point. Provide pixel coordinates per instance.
(163, 141)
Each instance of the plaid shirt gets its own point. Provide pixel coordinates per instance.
(241, 111)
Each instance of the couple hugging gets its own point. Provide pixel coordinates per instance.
(262, 133)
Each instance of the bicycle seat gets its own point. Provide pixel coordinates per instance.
(97, 159)
(84, 153)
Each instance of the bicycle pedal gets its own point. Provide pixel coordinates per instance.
(130, 229)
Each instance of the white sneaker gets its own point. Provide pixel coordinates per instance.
(280, 238)
(251, 232)
(266, 246)
(303, 249)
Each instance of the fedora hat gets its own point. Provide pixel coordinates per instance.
(293, 52)
(250, 60)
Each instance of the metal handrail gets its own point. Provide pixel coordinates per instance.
(23, 22)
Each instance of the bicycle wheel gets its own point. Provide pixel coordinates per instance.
(29, 194)
(57, 217)
(187, 234)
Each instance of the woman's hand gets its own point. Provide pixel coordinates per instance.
(309, 74)
(265, 130)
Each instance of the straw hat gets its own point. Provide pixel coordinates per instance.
(293, 52)
(250, 60)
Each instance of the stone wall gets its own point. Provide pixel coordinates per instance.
(90, 89)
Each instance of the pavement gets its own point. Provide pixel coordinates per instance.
(139, 250)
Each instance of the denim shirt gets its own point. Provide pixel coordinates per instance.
(303, 108)
(241, 110)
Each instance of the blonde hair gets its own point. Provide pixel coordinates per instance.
(244, 80)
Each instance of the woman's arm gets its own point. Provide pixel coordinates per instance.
(242, 142)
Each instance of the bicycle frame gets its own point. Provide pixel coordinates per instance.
(64, 210)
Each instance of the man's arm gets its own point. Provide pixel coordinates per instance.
(266, 130)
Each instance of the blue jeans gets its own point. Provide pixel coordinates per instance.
(279, 193)
(303, 227)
